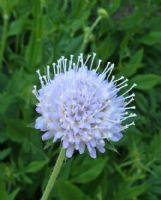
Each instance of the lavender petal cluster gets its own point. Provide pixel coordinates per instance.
(81, 107)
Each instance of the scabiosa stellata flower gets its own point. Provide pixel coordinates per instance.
(81, 107)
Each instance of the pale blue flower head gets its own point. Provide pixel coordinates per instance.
(80, 107)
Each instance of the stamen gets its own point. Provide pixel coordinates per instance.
(122, 77)
(104, 71)
(71, 62)
(99, 127)
(62, 64)
(40, 77)
(58, 66)
(99, 110)
(77, 65)
(109, 71)
(134, 85)
(93, 58)
(64, 61)
(127, 103)
(113, 121)
(74, 66)
(132, 95)
(87, 59)
(65, 64)
(112, 79)
(45, 79)
(34, 91)
(99, 63)
(127, 126)
(123, 86)
(128, 108)
(48, 73)
(130, 116)
(53, 64)
(122, 82)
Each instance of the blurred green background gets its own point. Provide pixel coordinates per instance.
(34, 33)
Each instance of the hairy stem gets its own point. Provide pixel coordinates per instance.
(54, 175)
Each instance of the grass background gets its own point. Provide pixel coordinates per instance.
(36, 33)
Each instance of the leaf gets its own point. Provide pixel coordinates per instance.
(5, 104)
(132, 21)
(4, 153)
(135, 63)
(68, 191)
(3, 192)
(16, 27)
(7, 6)
(130, 192)
(3, 81)
(16, 130)
(111, 147)
(107, 47)
(155, 148)
(146, 81)
(13, 195)
(151, 38)
(137, 190)
(88, 170)
(114, 6)
(35, 166)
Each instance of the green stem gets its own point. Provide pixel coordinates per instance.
(3, 39)
(89, 32)
(54, 174)
(95, 23)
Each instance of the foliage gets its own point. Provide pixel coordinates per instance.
(34, 34)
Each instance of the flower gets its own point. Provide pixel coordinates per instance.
(81, 107)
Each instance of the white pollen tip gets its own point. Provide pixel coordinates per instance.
(38, 70)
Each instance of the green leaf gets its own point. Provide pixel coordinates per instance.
(137, 190)
(13, 195)
(107, 47)
(16, 130)
(7, 6)
(114, 6)
(146, 81)
(131, 21)
(16, 27)
(35, 166)
(68, 191)
(3, 192)
(135, 63)
(130, 192)
(87, 170)
(4, 153)
(151, 38)
(5, 104)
